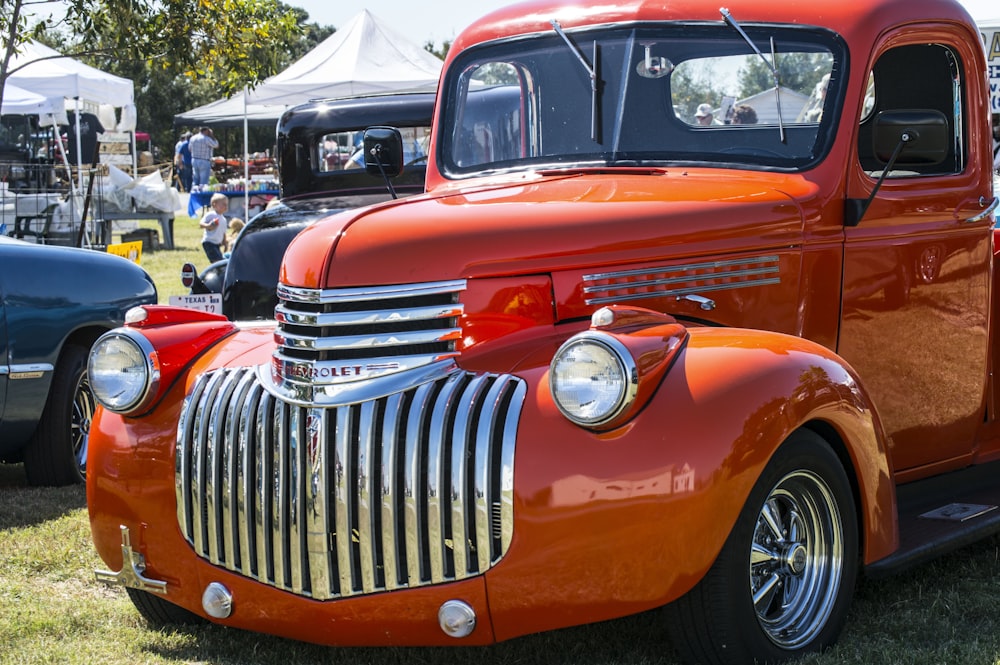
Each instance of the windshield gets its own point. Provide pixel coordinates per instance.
(650, 95)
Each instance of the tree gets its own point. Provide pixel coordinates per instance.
(693, 83)
(797, 71)
(441, 51)
(176, 63)
(229, 42)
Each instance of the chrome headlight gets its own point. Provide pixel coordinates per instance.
(124, 371)
(593, 378)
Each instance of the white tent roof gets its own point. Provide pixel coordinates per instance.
(229, 112)
(20, 101)
(363, 57)
(50, 74)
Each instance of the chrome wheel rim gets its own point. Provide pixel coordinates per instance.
(83, 413)
(796, 559)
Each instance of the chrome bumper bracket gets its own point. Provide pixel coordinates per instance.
(133, 567)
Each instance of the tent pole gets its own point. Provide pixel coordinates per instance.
(246, 161)
(79, 145)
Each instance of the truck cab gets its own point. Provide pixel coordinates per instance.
(613, 358)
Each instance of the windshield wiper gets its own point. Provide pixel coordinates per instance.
(592, 72)
(771, 64)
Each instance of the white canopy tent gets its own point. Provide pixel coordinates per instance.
(20, 101)
(229, 113)
(363, 57)
(44, 71)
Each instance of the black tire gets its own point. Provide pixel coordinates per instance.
(795, 547)
(57, 452)
(161, 613)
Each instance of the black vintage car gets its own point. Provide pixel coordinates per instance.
(54, 302)
(321, 172)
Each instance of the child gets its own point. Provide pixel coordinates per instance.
(214, 224)
(235, 226)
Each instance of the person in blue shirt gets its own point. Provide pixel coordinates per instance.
(182, 161)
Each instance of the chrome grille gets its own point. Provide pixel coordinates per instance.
(331, 337)
(402, 491)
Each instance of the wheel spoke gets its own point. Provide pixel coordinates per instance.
(763, 595)
(770, 516)
(760, 554)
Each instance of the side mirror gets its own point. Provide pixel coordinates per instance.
(922, 133)
(383, 151)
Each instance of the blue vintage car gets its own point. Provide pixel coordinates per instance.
(54, 302)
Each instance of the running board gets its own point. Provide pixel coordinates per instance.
(942, 514)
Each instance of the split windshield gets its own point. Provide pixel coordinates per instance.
(650, 95)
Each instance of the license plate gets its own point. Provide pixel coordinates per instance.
(203, 302)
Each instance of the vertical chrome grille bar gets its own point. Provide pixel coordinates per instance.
(183, 461)
(279, 496)
(262, 503)
(392, 528)
(439, 534)
(462, 536)
(342, 500)
(245, 479)
(483, 485)
(317, 512)
(202, 468)
(511, 413)
(413, 508)
(296, 533)
(227, 426)
(367, 496)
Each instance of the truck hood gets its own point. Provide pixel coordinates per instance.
(546, 223)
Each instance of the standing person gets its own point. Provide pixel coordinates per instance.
(182, 161)
(235, 226)
(744, 115)
(214, 225)
(704, 116)
(201, 145)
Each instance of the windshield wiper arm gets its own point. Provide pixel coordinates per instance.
(595, 116)
(771, 64)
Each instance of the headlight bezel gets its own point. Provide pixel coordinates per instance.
(149, 364)
(626, 369)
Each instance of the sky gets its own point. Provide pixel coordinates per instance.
(440, 20)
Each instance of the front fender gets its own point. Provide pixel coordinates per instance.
(637, 515)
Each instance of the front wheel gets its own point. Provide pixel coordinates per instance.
(783, 582)
(160, 613)
(57, 452)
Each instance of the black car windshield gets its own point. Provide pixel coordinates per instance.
(643, 95)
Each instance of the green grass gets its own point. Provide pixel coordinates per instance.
(52, 610)
(164, 265)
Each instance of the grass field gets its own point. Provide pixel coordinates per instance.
(164, 265)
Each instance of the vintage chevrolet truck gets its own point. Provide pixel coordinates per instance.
(615, 358)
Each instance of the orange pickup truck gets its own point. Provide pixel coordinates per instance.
(616, 357)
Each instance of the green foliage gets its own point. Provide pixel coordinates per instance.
(798, 71)
(689, 88)
(441, 51)
(180, 54)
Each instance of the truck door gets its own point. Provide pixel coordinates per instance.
(916, 288)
